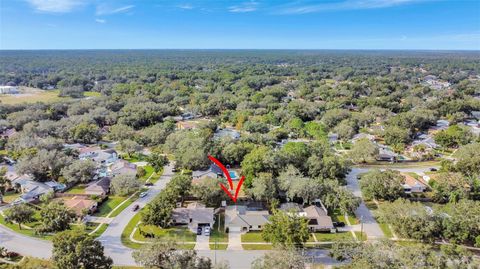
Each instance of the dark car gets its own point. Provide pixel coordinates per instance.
(135, 208)
(339, 224)
(174, 169)
(149, 184)
(199, 231)
(433, 169)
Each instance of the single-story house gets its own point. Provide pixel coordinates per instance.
(318, 219)
(32, 190)
(412, 185)
(81, 205)
(332, 137)
(362, 136)
(187, 125)
(226, 132)
(8, 133)
(213, 172)
(56, 186)
(105, 157)
(439, 126)
(99, 187)
(194, 215)
(9, 90)
(426, 140)
(385, 154)
(123, 167)
(242, 219)
(87, 152)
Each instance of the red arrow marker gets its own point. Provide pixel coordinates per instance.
(229, 179)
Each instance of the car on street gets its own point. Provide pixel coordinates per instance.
(339, 224)
(199, 230)
(207, 231)
(149, 184)
(433, 169)
(135, 208)
(143, 194)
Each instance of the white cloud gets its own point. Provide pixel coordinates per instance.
(100, 20)
(107, 10)
(185, 6)
(244, 7)
(56, 6)
(306, 7)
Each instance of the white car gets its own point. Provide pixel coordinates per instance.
(207, 231)
(143, 194)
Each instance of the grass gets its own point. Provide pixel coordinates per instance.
(24, 231)
(33, 95)
(10, 196)
(257, 247)
(108, 205)
(100, 230)
(125, 237)
(92, 94)
(119, 210)
(218, 232)
(214, 246)
(148, 172)
(361, 236)
(255, 237)
(330, 237)
(179, 234)
(386, 230)
(79, 189)
(339, 217)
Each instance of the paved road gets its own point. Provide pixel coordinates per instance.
(111, 237)
(370, 225)
(25, 244)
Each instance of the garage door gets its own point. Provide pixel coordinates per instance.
(234, 229)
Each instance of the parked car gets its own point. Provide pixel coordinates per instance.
(199, 230)
(339, 224)
(149, 184)
(207, 231)
(174, 169)
(433, 169)
(135, 208)
(143, 194)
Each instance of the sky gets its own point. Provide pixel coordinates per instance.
(232, 24)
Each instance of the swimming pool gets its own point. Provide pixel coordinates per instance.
(233, 174)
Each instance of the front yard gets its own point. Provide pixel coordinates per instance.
(108, 205)
(179, 234)
(218, 234)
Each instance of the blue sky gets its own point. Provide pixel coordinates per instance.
(252, 24)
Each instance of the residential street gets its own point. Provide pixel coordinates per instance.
(111, 237)
(370, 225)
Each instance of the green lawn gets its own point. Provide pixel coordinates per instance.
(330, 237)
(214, 246)
(108, 205)
(125, 237)
(123, 206)
(79, 189)
(386, 230)
(361, 236)
(148, 172)
(24, 231)
(10, 196)
(257, 247)
(337, 216)
(218, 232)
(179, 234)
(100, 230)
(252, 237)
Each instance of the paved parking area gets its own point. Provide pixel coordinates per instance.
(202, 242)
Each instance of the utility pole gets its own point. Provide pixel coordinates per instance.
(361, 229)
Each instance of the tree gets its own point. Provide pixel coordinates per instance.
(363, 151)
(386, 185)
(209, 191)
(286, 230)
(453, 136)
(292, 181)
(280, 259)
(157, 161)
(165, 254)
(255, 162)
(124, 184)
(395, 135)
(450, 186)
(468, 160)
(75, 249)
(462, 224)
(130, 147)
(85, 133)
(385, 253)
(55, 217)
(79, 171)
(121, 132)
(21, 213)
(345, 130)
(337, 197)
(43, 165)
(264, 187)
(189, 148)
(411, 220)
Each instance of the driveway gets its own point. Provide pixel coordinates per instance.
(203, 242)
(234, 241)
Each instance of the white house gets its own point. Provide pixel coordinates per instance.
(9, 90)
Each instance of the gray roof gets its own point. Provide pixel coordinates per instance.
(196, 214)
(241, 216)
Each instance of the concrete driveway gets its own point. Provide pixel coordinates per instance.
(203, 242)
(234, 241)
